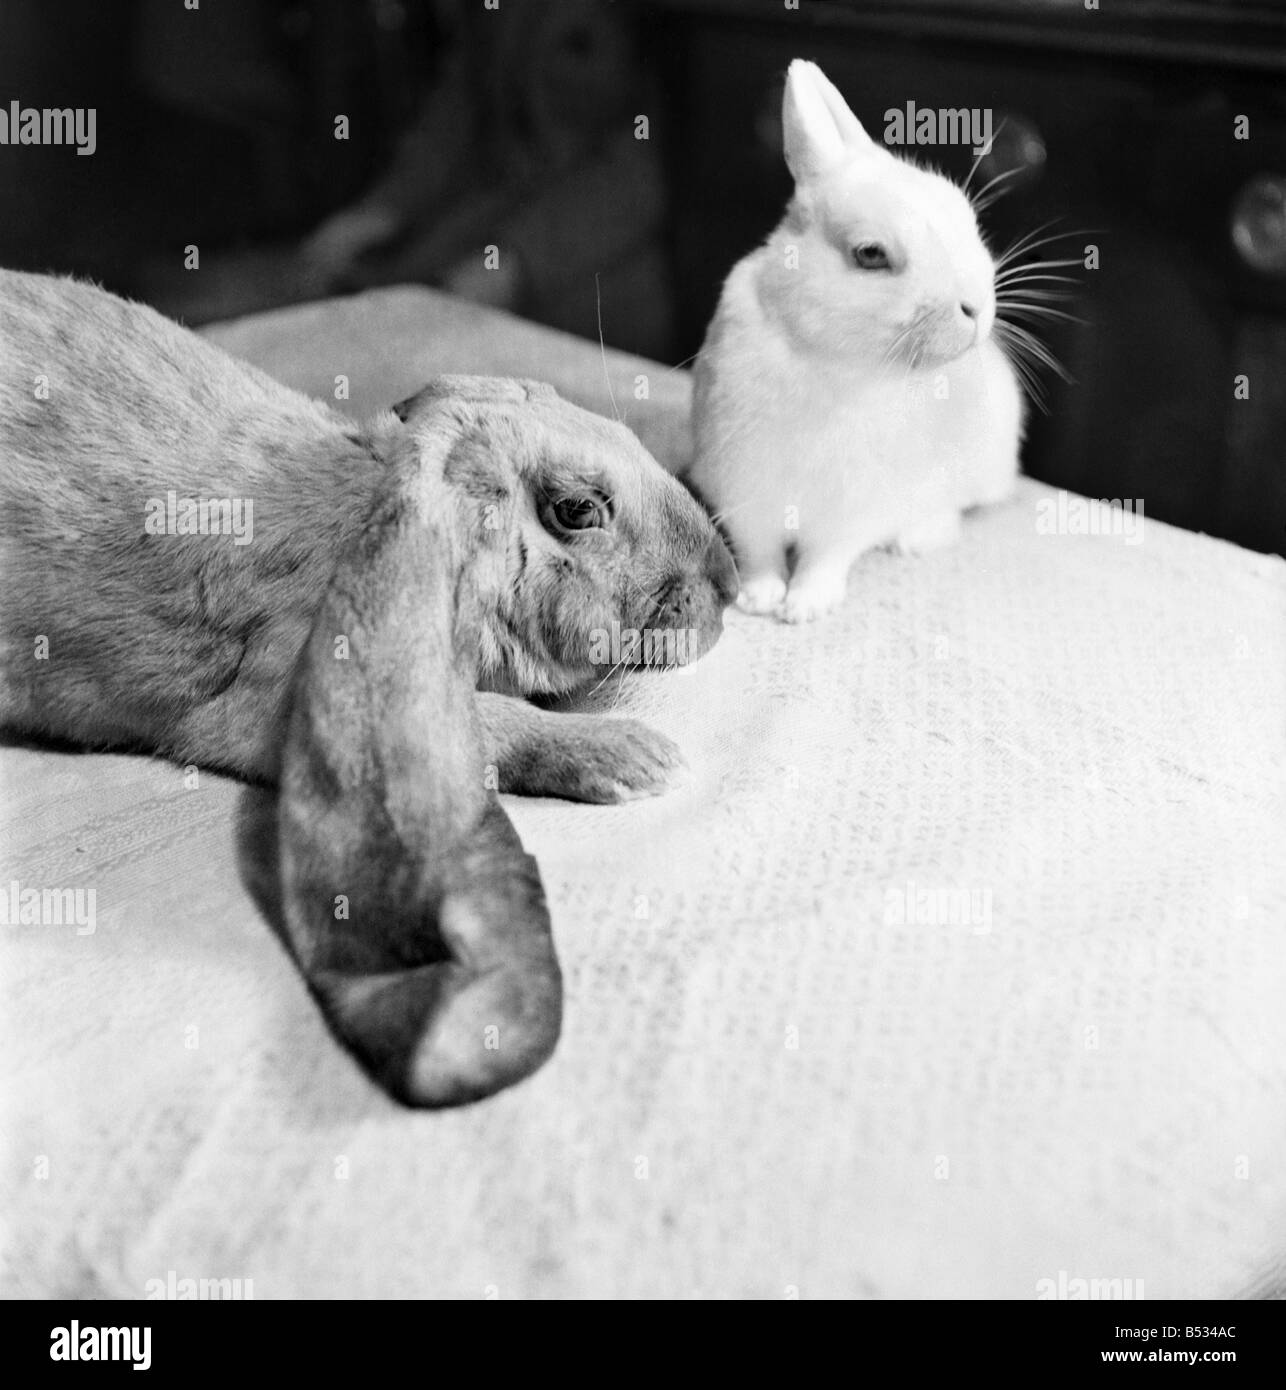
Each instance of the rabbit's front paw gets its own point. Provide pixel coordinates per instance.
(582, 757)
(813, 598)
(762, 594)
(626, 759)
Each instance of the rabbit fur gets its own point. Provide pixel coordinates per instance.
(365, 640)
(849, 393)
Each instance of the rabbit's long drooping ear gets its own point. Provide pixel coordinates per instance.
(819, 131)
(411, 907)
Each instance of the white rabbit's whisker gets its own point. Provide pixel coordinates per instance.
(1029, 240)
(1037, 266)
(1039, 351)
(981, 155)
(1031, 382)
(1053, 296)
(1018, 306)
(1010, 263)
(981, 201)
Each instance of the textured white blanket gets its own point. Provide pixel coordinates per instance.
(956, 970)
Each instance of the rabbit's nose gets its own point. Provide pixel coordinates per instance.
(721, 571)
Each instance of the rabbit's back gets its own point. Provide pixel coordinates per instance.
(115, 423)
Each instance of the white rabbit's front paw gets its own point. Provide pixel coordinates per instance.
(813, 596)
(762, 594)
(931, 533)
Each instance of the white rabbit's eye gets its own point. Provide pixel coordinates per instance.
(585, 513)
(870, 255)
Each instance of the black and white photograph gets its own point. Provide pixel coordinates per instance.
(643, 658)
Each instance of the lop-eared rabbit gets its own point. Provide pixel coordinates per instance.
(201, 563)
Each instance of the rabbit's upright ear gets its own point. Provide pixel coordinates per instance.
(472, 388)
(819, 130)
(414, 913)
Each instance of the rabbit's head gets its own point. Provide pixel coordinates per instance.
(590, 554)
(877, 260)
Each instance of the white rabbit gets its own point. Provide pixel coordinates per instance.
(849, 393)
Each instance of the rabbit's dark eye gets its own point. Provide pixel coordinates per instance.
(870, 255)
(578, 513)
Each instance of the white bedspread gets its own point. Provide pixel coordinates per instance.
(774, 1078)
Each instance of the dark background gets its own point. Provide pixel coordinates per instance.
(517, 128)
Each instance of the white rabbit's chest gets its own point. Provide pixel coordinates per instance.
(855, 453)
(897, 434)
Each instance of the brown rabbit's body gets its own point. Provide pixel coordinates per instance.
(181, 644)
(200, 563)
(123, 625)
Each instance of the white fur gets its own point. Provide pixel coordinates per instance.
(836, 408)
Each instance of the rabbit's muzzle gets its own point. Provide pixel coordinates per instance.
(692, 606)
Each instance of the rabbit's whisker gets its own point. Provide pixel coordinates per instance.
(905, 346)
(1020, 306)
(1027, 353)
(982, 154)
(620, 688)
(598, 299)
(1031, 382)
(1031, 297)
(1024, 242)
(981, 201)
(678, 366)
(1033, 241)
(1009, 260)
(611, 671)
(1011, 286)
(1018, 271)
(684, 363)
(1039, 351)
